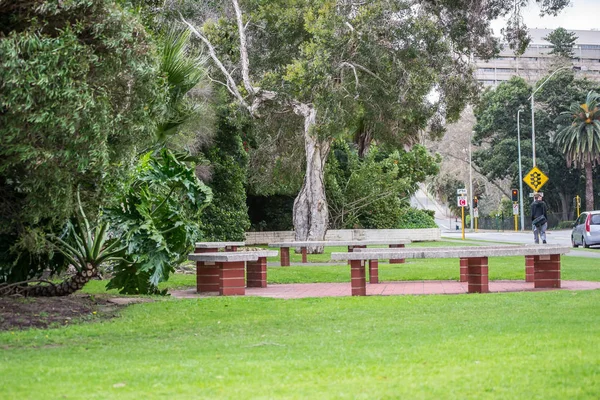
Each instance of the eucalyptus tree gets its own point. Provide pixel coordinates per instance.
(359, 67)
(578, 137)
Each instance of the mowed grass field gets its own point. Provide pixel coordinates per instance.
(534, 345)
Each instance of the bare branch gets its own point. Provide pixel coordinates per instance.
(374, 75)
(231, 85)
(347, 64)
(243, 50)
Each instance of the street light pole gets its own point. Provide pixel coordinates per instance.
(533, 111)
(520, 169)
(471, 182)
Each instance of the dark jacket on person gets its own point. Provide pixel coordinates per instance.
(538, 208)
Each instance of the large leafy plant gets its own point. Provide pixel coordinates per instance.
(158, 219)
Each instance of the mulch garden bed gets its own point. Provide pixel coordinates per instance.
(18, 313)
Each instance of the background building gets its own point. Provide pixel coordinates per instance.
(536, 61)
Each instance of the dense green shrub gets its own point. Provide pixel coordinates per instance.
(81, 93)
(411, 218)
(372, 192)
(226, 218)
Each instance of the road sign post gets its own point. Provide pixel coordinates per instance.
(462, 203)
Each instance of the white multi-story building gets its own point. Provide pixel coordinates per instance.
(536, 61)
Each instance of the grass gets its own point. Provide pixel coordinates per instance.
(540, 345)
(529, 345)
(511, 268)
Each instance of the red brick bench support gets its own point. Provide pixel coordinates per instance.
(256, 273)
(285, 256)
(464, 263)
(207, 276)
(546, 271)
(477, 274)
(304, 257)
(358, 278)
(373, 271)
(398, 260)
(232, 278)
(529, 263)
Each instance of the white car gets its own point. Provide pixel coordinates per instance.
(586, 230)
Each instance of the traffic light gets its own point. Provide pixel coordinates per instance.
(515, 195)
(475, 202)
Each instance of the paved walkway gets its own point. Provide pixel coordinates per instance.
(301, 290)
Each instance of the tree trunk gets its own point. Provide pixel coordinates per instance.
(67, 287)
(589, 187)
(564, 205)
(363, 139)
(311, 214)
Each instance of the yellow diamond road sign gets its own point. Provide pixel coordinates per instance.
(535, 179)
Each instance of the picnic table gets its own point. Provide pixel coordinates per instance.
(211, 247)
(544, 261)
(230, 272)
(352, 244)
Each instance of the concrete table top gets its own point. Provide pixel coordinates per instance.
(218, 245)
(452, 252)
(339, 243)
(232, 256)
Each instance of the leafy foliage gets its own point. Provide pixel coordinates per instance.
(496, 133)
(445, 188)
(562, 42)
(226, 218)
(372, 192)
(411, 218)
(580, 140)
(187, 81)
(80, 93)
(578, 134)
(158, 221)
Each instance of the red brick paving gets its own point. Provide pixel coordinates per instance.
(301, 290)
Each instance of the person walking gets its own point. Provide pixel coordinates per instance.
(539, 218)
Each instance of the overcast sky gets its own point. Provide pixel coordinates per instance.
(581, 14)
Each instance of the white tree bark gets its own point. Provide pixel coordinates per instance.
(311, 214)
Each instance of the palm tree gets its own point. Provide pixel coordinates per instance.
(185, 72)
(578, 137)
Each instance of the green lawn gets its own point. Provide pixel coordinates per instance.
(540, 345)
(530, 345)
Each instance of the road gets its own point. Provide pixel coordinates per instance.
(443, 218)
(562, 237)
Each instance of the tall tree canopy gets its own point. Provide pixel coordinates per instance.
(578, 137)
(367, 69)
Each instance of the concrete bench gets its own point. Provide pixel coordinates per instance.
(230, 272)
(544, 262)
(352, 244)
(212, 247)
